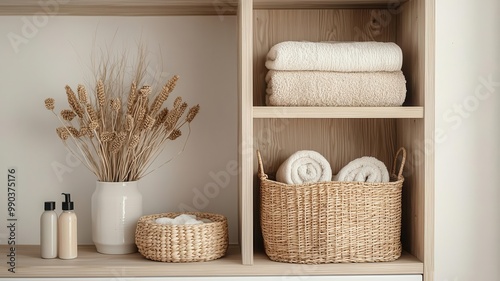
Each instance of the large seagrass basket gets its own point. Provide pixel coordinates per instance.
(332, 222)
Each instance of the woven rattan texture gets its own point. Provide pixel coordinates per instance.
(332, 222)
(182, 243)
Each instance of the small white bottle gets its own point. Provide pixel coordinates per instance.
(48, 231)
(67, 227)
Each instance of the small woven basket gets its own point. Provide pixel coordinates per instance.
(332, 222)
(182, 243)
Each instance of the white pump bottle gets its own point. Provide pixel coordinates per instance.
(67, 228)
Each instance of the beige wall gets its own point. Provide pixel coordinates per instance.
(38, 58)
(467, 153)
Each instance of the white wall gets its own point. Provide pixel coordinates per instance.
(468, 157)
(39, 56)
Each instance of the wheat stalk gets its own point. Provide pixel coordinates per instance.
(118, 137)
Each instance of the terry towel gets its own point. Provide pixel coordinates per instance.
(320, 88)
(364, 169)
(335, 56)
(304, 166)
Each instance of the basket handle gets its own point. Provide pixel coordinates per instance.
(261, 173)
(402, 151)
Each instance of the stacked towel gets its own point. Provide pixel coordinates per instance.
(335, 56)
(324, 88)
(364, 169)
(304, 166)
(335, 74)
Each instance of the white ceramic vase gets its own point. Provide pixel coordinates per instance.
(116, 208)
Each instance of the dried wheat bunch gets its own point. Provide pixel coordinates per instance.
(118, 137)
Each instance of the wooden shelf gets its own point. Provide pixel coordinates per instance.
(338, 112)
(261, 24)
(343, 133)
(406, 264)
(171, 7)
(120, 7)
(322, 4)
(92, 264)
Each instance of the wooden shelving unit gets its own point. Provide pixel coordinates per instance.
(358, 131)
(341, 134)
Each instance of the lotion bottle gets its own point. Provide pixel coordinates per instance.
(67, 226)
(48, 231)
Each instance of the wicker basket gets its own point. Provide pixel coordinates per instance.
(182, 243)
(332, 222)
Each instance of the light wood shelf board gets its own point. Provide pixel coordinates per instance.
(119, 7)
(338, 112)
(323, 4)
(92, 264)
(245, 84)
(406, 264)
(176, 7)
(428, 26)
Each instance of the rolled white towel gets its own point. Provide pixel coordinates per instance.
(364, 169)
(304, 166)
(335, 56)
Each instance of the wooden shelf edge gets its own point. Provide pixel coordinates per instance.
(171, 7)
(323, 4)
(406, 264)
(338, 112)
(119, 8)
(92, 264)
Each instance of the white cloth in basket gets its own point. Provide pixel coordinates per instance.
(364, 169)
(304, 166)
(183, 219)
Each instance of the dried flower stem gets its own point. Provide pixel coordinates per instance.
(119, 137)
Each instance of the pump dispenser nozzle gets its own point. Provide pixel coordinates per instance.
(67, 204)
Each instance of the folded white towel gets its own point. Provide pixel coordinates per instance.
(304, 166)
(335, 56)
(324, 88)
(364, 169)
